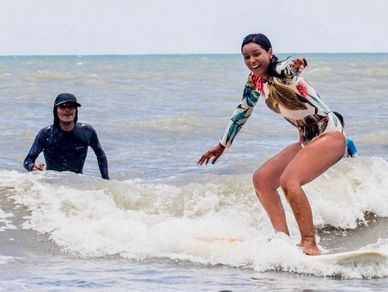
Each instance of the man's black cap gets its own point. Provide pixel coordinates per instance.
(66, 98)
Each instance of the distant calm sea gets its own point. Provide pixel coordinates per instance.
(154, 225)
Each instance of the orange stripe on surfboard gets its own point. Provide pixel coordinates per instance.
(220, 239)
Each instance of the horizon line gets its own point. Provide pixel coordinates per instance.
(175, 54)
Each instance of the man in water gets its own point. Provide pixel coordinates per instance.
(65, 143)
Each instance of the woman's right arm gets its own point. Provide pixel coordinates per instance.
(238, 119)
(240, 115)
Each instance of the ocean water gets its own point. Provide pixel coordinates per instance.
(157, 224)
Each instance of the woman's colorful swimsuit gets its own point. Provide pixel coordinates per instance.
(290, 96)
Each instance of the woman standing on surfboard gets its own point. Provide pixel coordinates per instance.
(321, 136)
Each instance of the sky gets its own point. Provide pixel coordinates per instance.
(90, 27)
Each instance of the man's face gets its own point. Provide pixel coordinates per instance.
(66, 112)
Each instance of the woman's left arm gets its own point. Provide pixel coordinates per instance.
(298, 65)
(291, 68)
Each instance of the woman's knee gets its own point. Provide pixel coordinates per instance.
(262, 179)
(289, 185)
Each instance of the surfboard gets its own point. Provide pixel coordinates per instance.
(220, 239)
(354, 257)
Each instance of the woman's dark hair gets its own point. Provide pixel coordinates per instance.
(261, 40)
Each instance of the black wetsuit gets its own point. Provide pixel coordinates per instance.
(66, 151)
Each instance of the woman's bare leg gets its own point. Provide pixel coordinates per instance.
(308, 164)
(266, 182)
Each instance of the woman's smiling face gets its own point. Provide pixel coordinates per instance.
(257, 59)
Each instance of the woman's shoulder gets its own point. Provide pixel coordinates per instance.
(255, 83)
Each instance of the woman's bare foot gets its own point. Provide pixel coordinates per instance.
(309, 247)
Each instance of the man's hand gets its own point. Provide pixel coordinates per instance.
(38, 167)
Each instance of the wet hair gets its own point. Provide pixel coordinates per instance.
(56, 119)
(257, 38)
(261, 40)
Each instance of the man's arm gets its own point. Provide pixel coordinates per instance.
(100, 154)
(35, 150)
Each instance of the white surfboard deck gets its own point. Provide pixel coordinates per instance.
(353, 257)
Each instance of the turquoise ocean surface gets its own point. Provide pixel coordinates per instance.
(156, 225)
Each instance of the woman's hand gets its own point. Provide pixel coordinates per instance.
(38, 166)
(298, 65)
(213, 154)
